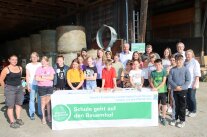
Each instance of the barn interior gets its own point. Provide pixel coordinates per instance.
(28, 23)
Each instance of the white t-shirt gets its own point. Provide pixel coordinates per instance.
(166, 63)
(136, 76)
(31, 68)
(145, 71)
(124, 57)
(183, 53)
(194, 67)
(151, 67)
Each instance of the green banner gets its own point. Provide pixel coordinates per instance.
(104, 111)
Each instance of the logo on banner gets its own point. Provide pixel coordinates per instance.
(61, 113)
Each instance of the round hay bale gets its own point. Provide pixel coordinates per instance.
(69, 57)
(92, 53)
(48, 41)
(25, 46)
(70, 39)
(35, 40)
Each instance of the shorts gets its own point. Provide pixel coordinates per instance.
(14, 95)
(162, 98)
(91, 84)
(146, 83)
(45, 91)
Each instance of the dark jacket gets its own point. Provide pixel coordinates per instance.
(65, 69)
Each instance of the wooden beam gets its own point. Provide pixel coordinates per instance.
(143, 20)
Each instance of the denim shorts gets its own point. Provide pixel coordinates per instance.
(45, 91)
(14, 95)
(91, 84)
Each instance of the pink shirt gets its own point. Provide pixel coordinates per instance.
(45, 72)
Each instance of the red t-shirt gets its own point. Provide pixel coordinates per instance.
(108, 75)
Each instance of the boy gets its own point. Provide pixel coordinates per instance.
(158, 83)
(90, 75)
(108, 75)
(179, 80)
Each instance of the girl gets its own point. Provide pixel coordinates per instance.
(75, 76)
(60, 68)
(90, 75)
(11, 82)
(118, 68)
(151, 66)
(136, 56)
(136, 76)
(80, 62)
(99, 63)
(166, 59)
(145, 70)
(32, 84)
(44, 77)
(125, 75)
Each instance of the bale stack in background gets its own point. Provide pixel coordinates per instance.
(70, 41)
(35, 40)
(48, 44)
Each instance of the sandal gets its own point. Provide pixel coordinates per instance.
(20, 122)
(14, 125)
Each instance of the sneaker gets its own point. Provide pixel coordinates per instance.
(20, 122)
(187, 112)
(173, 122)
(164, 122)
(14, 125)
(32, 117)
(181, 124)
(169, 110)
(191, 114)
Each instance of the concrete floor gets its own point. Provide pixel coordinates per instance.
(195, 127)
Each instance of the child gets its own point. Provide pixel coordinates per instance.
(81, 63)
(151, 66)
(179, 80)
(171, 108)
(136, 75)
(125, 79)
(158, 83)
(145, 70)
(90, 75)
(119, 68)
(75, 76)
(166, 59)
(108, 75)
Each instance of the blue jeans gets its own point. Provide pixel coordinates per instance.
(91, 84)
(33, 94)
(191, 100)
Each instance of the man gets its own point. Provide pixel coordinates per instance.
(126, 54)
(148, 51)
(180, 49)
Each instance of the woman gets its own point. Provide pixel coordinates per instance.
(44, 77)
(32, 84)
(11, 82)
(136, 56)
(194, 67)
(99, 63)
(61, 69)
(75, 76)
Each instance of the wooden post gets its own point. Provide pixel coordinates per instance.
(143, 20)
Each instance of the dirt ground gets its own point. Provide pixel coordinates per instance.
(195, 127)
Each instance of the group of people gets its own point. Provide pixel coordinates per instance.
(175, 77)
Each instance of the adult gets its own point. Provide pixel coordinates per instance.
(11, 82)
(60, 82)
(148, 51)
(126, 54)
(84, 56)
(194, 68)
(180, 50)
(44, 77)
(99, 63)
(32, 84)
